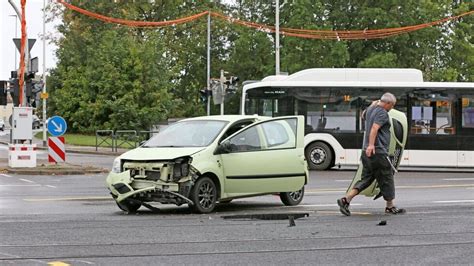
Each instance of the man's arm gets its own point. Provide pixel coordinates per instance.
(372, 136)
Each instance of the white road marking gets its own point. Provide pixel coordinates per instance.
(459, 179)
(343, 180)
(50, 186)
(5, 175)
(33, 185)
(328, 205)
(454, 201)
(26, 180)
(325, 192)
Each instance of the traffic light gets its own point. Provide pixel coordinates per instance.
(232, 84)
(3, 92)
(204, 95)
(29, 83)
(15, 91)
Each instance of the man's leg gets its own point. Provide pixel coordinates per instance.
(366, 179)
(384, 175)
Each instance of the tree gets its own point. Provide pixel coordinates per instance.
(111, 76)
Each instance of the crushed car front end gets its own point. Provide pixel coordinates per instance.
(163, 181)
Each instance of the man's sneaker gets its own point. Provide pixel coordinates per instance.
(394, 210)
(344, 206)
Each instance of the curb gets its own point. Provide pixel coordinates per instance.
(79, 151)
(52, 171)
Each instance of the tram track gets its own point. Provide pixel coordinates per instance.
(236, 252)
(242, 240)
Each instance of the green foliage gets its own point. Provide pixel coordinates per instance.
(116, 77)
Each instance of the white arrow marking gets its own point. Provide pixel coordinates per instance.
(58, 128)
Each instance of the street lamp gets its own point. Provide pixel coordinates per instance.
(16, 31)
(277, 37)
(44, 74)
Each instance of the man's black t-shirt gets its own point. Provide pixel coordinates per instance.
(377, 114)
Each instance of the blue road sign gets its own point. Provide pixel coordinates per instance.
(57, 126)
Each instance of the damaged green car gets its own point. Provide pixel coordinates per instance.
(205, 160)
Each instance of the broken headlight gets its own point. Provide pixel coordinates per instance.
(181, 167)
(116, 165)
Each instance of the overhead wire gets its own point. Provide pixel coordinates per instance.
(301, 33)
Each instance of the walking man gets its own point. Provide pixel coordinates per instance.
(375, 162)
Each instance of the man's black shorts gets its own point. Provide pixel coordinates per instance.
(377, 167)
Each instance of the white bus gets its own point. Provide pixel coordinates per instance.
(440, 114)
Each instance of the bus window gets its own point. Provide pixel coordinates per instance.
(467, 112)
(266, 107)
(432, 114)
(329, 109)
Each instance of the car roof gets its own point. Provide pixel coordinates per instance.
(229, 118)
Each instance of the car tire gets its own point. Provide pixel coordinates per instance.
(292, 198)
(129, 205)
(319, 156)
(203, 195)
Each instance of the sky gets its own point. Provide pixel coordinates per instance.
(34, 27)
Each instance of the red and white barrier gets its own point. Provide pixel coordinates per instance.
(21, 155)
(56, 150)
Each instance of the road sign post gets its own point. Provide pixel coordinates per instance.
(57, 126)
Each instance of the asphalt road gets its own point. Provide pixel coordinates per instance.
(71, 219)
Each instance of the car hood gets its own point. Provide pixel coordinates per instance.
(165, 153)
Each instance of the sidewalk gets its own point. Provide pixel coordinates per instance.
(43, 167)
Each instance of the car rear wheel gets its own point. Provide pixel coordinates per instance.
(292, 198)
(319, 156)
(129, 205)
(204, 195)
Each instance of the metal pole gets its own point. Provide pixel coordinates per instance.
(44, 73)
(23, 99)
(208, 62)
(277, 38)
(222, 90)
(16, 36)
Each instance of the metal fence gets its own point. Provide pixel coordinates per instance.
(125, 139)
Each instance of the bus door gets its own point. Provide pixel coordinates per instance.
(466, 131)
(432, 138)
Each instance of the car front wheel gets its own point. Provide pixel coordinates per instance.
(204, 195)
(129, 205)
(292, 198)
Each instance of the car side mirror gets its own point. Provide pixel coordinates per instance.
(224, 147)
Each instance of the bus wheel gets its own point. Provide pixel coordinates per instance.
(319, 156)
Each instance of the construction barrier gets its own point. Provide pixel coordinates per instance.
(56, 150)
(21, 155)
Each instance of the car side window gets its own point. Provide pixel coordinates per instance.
(277, 134)
(234, 128)
(280, 134)
(247, 140)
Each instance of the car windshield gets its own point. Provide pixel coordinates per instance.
(193, 133)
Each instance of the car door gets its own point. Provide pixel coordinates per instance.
(265, 157)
